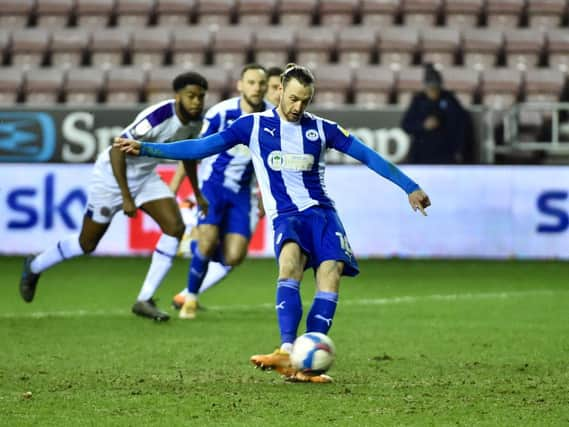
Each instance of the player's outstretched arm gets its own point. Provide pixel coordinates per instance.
(180, 150)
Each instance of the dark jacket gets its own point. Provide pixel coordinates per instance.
(440, 145)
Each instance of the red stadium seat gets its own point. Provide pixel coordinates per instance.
(338, 13)
(379, 13)
(134, 13)
(421, 13)
(54, 13)
(523, 48)
(10, 85)
(297, 13)
(558, 46)
(174, 13)
(231, 46)
(256, 12)
(544, 85)
(397, 46)
(150, 46)
(94, 14)
(215, 12)
(109, 47)
(68, 47)
(504, 13)
(43, 86)
(272, 45)
(124, 85)
(356, 45)
(461, 14)
(463, 82)
(409, 82)
(500, 87)
(545, 14)
(314, 46)
(439, 45)
(15, 13)
(481, 47)
(29, 47)
(373, 86)
(83, 86)
(333, 85)
(191, 46)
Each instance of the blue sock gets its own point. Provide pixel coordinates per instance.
(322, 312)
(198, 269)
(289, 308)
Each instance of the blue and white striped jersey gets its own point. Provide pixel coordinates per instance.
(289, 158)
(232, 168)
(156, 123)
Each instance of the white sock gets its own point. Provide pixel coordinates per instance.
(161, 262)
(65, 249)
(286, 346)
(215, 273)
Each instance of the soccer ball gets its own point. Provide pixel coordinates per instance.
(313, 353)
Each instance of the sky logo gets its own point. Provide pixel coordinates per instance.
(550, 204)
(26, 137)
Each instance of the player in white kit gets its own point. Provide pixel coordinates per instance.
(127, 184)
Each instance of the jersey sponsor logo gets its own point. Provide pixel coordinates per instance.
(344, 131)
(278, 161)
(26, 137)
(311, 135)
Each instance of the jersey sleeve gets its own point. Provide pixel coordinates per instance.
(140, 128)
(336, 136)
(240, 130)
(211, 124)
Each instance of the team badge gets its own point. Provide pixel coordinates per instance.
(311, 135)
(276, 160)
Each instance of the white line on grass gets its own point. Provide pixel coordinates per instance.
(252, 307)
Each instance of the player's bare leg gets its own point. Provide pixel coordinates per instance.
(167, 215)
(72, 246)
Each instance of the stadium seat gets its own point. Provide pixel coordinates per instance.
(439, 45)
(557, 47)
(256, 12)
(397, 46)
(356, 45)
(373, 86)
(190, 46)
(409, 82)
(231, 46)
(544, 85)
(124, 85)
(461, 14)
(150, 46)
(4, 44)
(297, 13)
(134, 13)
(338, 13)
(481, 47)
(29, 47)
(421, 13)
(174, 13)
(10, 85)
(94, 14)
(83, 86)
(54, 14)
(109, 46)
(43, 86)
(523, 48)
(379, 13)
(463, 82)
(217, 13)
(545, 14)
(314, 46)
(15, 14)
(68, 47)
(333, 85)
(272, 45)
(217, 80)
(500, 87)
(504, 13)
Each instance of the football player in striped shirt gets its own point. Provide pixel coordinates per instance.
(288, 146)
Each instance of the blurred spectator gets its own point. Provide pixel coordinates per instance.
(273, 83)
(437, 123)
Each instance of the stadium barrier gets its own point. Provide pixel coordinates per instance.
(478, 212)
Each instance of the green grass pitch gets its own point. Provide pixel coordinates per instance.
(469, 343)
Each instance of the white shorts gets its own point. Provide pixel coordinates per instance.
(104, 200)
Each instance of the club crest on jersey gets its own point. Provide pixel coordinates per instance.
(278, 161)
(311, 135)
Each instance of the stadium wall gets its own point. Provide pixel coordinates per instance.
(478, 212)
